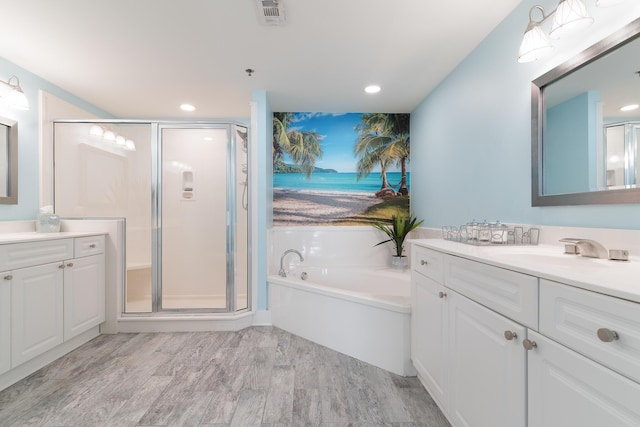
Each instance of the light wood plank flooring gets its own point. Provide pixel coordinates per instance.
(260, 376)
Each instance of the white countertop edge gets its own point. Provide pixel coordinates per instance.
(24, 237)
(621, 279)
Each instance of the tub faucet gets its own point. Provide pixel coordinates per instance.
(288, 251)
(588, 248)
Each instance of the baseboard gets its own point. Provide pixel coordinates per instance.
(262, 318)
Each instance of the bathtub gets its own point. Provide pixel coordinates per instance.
(362, 312)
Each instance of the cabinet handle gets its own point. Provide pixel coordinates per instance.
(442, 295)
(92, 246)
(423, 262)
(70, 264)
(528, 344)
(8, 277)
(61, 266)
(510, 335)
(607, 335)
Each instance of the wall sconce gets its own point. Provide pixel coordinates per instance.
(568, 16)
(11, 94)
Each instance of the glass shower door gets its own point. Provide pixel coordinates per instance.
(195, 242)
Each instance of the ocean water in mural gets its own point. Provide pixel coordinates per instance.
(345, 182)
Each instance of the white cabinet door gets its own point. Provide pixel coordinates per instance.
(5, 322)
(487, 384)
(429, 335)
(567, 389)
(84, 294)
(36, 304)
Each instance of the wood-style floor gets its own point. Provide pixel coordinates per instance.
(260, 376)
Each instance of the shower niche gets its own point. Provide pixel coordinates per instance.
(182, 188)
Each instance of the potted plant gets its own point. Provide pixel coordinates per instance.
(397, 230)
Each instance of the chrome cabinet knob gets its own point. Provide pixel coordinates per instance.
(607, 335)
(8, 277)
(61, 266)
(423, 262)
(92, 246)
(528, 344)
(70, 264)
(510, 335)
(442, 294)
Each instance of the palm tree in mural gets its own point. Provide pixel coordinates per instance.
(383, 139)
(303, 147)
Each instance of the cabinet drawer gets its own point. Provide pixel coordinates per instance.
(428, 262)
(20, 255)
(87, 246)
(573, 316)
(514, 295)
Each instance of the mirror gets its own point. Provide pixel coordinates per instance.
(8, 161)
(584, 148)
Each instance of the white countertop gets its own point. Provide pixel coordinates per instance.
(6, 238)
(616, 278)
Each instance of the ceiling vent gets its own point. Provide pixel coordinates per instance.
(270, 12)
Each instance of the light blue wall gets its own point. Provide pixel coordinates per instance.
(264, 125)
(471, 137)
(28, 137)
(569, 156)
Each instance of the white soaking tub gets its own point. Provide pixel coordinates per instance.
(362, 312)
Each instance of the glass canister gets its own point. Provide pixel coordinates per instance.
(47, 221)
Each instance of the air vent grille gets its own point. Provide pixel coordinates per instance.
(270, 12)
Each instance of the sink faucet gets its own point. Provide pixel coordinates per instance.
(588, 248)
(288, 251)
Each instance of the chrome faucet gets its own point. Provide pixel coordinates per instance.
(288, 251)
(587, 247)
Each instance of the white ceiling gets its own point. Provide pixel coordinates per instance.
(142, 58)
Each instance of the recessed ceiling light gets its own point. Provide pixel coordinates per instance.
(630, 107)
(372, 89)
(187, 107)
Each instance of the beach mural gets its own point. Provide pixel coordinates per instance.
(340, 169)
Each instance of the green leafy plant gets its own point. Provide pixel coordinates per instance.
(397, 230)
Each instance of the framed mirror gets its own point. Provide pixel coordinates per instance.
(584, 142)
(8, 161)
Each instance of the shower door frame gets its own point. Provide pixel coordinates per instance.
(156, 232)
(156, 211)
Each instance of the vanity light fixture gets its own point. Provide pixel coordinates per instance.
(11, 93)
(569, 15)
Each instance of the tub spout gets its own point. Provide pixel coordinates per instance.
(282, 272)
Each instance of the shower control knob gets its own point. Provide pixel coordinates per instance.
(607, 335)
(528, 344)
(423, 262)
(442, 294)
(510, 335)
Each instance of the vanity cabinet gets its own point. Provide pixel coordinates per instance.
(5, 322)
(522, 350)
(468, 356)
(53, 291)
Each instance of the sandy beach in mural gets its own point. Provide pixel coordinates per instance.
(299, 207)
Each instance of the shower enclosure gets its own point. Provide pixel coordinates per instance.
(182, 188)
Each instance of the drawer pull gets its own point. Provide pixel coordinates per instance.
(442, 295)
(510, 335)
(423, 262)
(61, 266)
(70, 264)
(92, 246)
(528, 344)
(607, 335)
(8, 277)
